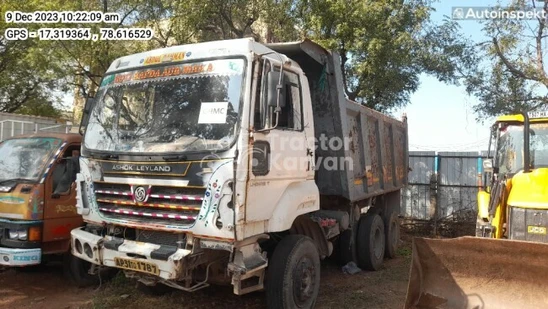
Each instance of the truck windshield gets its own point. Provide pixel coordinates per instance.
(510, 147)
(26, 158)
(170, 108)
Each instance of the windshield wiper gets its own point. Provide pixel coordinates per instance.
(175, 158)
(103, 156)
(109, 156)
(17, 180)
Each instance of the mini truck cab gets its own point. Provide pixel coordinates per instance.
(199, 165)
(37, 197)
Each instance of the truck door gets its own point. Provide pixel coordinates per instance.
(60, 215)
(281, 158)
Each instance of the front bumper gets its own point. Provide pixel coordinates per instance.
(105, 250)
(20, 257)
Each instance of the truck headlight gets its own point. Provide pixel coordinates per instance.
(20, 234)
(14, 234)
(23, 234)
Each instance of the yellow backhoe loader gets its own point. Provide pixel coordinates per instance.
(506, 264)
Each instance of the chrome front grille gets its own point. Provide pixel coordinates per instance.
(528, 224)
(158, 205)
(161, 238)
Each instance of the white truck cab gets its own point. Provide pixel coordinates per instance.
(232, 161)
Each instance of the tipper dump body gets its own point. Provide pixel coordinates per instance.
(374, 146)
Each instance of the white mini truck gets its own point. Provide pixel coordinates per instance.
(235, 162)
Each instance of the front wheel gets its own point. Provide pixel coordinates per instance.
(293, 274)
(77, 270)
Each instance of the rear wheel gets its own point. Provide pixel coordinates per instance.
(293, 274)
(392, 233)
(370, 242)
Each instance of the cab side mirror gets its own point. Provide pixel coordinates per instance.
(488, 165)
(90, 102)
(275, 87)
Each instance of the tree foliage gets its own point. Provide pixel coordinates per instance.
(25, 77)
(384, 44)
(512, 76)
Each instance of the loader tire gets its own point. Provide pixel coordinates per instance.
(392, 233)
(293, 276)
(370, 242)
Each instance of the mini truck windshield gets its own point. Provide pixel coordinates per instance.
(26, 158)
(172, 108)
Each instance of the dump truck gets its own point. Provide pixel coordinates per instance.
(504, 265)
(37, 202)
(234, 162)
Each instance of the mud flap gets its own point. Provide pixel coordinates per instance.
(473, 272)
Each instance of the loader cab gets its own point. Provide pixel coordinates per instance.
(519, 145)
(515, 173)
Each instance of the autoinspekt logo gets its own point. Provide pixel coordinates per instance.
(484, 13)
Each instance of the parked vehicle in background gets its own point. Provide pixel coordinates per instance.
(239, 163)
(504, 266)
(37, 201)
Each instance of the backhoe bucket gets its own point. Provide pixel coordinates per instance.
(479, 273)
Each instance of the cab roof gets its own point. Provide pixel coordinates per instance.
(67, 137)
(533, 118)
(196, 51)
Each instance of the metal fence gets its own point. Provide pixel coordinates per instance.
(443, 185)
(14, 124)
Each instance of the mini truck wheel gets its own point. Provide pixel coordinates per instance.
(293, 274)
(371, 242)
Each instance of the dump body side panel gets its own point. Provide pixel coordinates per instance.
(360, 153)
(378, 150)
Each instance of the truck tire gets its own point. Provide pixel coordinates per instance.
(370, 242)
(345, 248)
(293, 276)
(392, 232)
(77, 271)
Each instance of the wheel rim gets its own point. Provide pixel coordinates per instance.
(304, 281)
(378, 244)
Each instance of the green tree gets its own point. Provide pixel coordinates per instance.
(384, 46)
(512, 78)
(25, 77)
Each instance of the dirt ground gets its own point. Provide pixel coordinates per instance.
(46, 288)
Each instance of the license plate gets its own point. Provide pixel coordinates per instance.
(137, 265)
(531, 229)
